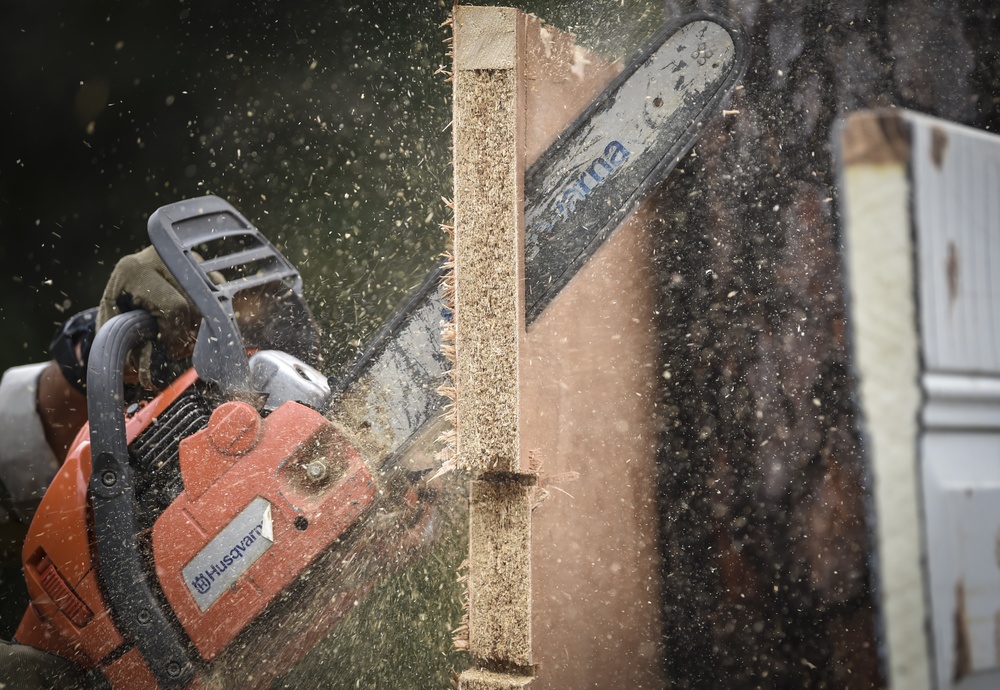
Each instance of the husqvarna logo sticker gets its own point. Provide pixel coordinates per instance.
(230, 553)
(572, 188)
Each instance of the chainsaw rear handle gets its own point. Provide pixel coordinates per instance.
(214, 253)
(125, 584)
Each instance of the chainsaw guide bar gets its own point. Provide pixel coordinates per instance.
(629, 139)
(578, 192)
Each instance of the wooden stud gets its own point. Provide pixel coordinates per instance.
(489, 334)
(489, 236)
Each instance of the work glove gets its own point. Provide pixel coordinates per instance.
(142, 281)
(269, 317)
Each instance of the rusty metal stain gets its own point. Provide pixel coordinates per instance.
(963, 644)
(939, 145)
(952, 269)
(881, 138)
(996, 637)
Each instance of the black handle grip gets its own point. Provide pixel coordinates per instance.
(124, 581)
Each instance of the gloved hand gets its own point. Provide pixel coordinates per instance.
(142, 281)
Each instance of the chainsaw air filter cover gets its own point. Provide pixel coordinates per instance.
(262, 497)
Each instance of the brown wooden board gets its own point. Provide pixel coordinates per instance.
(590, 370)
(582, 407)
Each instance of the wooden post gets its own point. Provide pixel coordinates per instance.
(489, 334)
(489, 243)
(571, 398)
(879, 253)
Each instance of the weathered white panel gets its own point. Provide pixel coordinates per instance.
(922, 228)
(956, 401)
(956, 211)
(956, 176)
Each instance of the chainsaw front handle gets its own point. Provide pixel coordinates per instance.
(124, 581)
(214, 252)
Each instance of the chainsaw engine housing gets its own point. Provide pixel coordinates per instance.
(233, 506)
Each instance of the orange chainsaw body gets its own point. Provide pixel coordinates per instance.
(262, 498)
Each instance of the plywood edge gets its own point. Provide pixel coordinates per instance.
(488, 123)
(500, 570)
(489, 243)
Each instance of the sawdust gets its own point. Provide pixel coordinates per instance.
(446, 441)
(476, 679)
(500, 572)
(352, 416)
(488, 267)
(333, 584)
(386, 637)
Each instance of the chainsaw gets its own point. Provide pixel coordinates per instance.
(253, 493)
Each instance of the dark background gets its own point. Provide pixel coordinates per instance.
(770, 578)
(321, 122)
